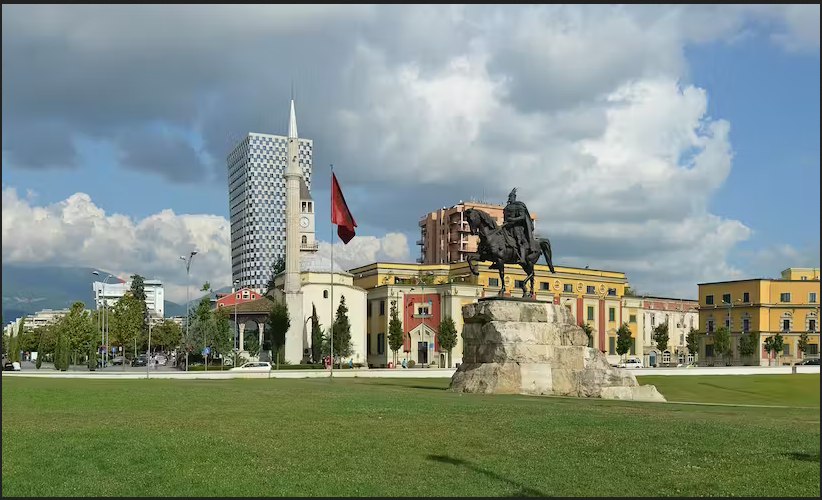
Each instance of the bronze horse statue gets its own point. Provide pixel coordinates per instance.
(494, 246)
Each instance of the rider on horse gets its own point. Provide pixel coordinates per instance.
(517, 223)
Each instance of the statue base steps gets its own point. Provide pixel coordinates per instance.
(528, 347)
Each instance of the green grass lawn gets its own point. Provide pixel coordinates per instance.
(310, 437)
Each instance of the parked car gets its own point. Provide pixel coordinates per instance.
(255, 366)
(810, 361)
(117, 360)
(139, 361)
(10, 367)
(631, 363)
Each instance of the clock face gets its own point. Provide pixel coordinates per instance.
(304, 222)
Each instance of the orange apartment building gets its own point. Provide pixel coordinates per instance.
(445, 237)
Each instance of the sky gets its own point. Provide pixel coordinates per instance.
(678, 144)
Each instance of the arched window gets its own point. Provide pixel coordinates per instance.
(325, 294)
(305, 240)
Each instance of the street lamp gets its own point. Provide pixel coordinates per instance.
(105, 322)
(188, 268)
(236, 328)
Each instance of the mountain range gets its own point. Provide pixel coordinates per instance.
(27, 289)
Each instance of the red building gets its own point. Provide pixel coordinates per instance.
(239, 296)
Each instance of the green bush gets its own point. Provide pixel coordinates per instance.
(92, 357)
(411, 364)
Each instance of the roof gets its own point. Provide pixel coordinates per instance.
(314, 263)
(305, 194)
(261, 305)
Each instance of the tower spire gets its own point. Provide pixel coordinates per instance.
(292, 123)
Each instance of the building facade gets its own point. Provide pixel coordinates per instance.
(425, 293)
(257, 205)
(643, 314)
(109, 293)
(444, 234)
(788, 306)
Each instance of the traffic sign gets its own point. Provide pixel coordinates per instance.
(206, 351)
(430, 345)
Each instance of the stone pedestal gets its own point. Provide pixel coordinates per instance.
(515, 346)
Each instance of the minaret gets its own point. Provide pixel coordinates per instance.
(295, 338)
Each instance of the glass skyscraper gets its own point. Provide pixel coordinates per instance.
(256, 200)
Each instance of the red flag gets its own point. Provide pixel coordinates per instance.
(340, 215)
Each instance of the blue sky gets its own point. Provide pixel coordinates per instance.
(405, 118)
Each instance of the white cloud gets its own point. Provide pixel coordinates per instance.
(78, 232)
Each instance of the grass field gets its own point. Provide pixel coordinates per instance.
(310, 437)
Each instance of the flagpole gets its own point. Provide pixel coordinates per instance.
(332, 272)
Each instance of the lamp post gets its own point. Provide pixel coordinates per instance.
(236, 328)
(105, 322)
(148, 351)
(188, 268)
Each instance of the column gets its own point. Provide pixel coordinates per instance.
(242, 329)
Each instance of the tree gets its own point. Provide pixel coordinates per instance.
(126, 322)
(61, 352)
(447, 336)
(78, 328)
(276, 268)
(252, 344)
(92, 357)
(660, 336)
(748, 344)
(223, 341)
(41, 353)
(692, 340)
(342, 332)
(589, 332)
(624, 339)
(396, 337)
(802, 345)
(722, 341)
(316, 336)
(629, 291)
(278, 324)
(138, 291)
(774, 345)
(166, 334)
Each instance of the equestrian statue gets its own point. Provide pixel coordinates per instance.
(512, 243)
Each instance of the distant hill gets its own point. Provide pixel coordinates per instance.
(27, 289)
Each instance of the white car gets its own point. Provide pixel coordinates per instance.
(631, 363)
(253, 366)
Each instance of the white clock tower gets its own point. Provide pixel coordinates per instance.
(294, 233)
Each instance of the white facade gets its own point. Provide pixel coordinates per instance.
(257, 204)
(680, 316)
(110, 293)
(316, 290)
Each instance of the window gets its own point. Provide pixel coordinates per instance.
(746, 325)
(666, 357)
(812, 297)
(221, 305)
(726, 298)
(728, 323)
(325, 294)
(746, 297)
(517, 283)
(382, 308)
(612, 291)
(544, 286)
(238, 295)
(568, 287)
(422, 311)
(380, 343)
(709, 351)
(813, 349)
(710, 326)
(611, 345)
(812, 325)
(493, 281)
(653, 320)
(591, 290)
(632, 318)
(709, 299)
(245, 295)
(804, 278)
(786, 350)
(590, 313)
(786, 325)
(612, 314)
(305, 240)
(785, 297)
(633, 346)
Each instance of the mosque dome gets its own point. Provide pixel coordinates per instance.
(314, 263)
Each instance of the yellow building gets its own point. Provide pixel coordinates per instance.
(788, 305)
(593, 296)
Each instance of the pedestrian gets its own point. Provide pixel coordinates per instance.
(403, 363)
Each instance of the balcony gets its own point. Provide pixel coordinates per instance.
(310, 247)
(420, 260)
(421, 242)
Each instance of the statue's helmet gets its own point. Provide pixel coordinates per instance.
(512, 196)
